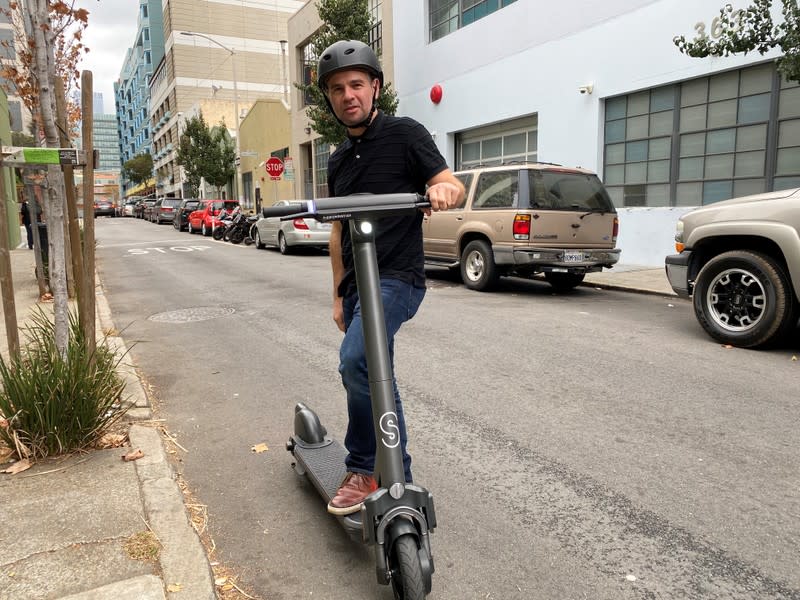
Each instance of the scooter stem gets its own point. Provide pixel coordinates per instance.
(389, 457)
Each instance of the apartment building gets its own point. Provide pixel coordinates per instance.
(309, 154)
(106, 140)
(602, 85)
(20, 117)
(132, 90)
(220, 57)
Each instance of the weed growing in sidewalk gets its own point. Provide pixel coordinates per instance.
(51, 405)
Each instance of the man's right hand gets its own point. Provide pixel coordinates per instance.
(338, 312)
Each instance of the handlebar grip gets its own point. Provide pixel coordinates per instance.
(285, 211)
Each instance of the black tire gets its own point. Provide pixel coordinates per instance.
(259, 244)
(407, 580)
(564, 282)
(478, 271)
(219, 233)
(744, 299)
(236, 236)
(283, 246)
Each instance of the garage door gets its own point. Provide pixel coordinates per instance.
(509, 141)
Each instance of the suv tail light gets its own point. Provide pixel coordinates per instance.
(299, 224)
(522, 227)
(615, 230)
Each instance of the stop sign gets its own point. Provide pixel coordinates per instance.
(274, 167)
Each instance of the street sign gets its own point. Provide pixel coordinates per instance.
(288, 169)
(274, 168)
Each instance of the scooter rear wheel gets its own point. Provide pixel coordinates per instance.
(407, 580)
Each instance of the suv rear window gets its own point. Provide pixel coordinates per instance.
(559, 190)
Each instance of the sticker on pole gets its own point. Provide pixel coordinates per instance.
(274, 167)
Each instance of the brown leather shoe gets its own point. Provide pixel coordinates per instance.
(351, 494)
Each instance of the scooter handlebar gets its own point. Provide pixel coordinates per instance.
(341, 208)
(285, 210)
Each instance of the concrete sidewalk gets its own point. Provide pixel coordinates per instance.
(632, 278)
(66, 521)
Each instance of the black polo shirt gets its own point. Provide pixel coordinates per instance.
(394, 155)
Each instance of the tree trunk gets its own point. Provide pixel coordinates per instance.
(54, 199)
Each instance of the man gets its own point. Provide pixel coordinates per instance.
(25, 216)
(383, 154)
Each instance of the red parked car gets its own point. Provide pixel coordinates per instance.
(207, 215)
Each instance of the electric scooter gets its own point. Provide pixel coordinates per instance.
(398, 517)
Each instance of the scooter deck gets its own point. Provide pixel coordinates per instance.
(324, 467)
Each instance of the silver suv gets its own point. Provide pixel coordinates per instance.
(525, 219)
(739, 260)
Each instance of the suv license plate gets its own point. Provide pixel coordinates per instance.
(573, 257)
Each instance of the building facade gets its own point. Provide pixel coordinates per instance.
(602, 85)
(19, 115)
(132, 91)
(215, 52)
(105, 138)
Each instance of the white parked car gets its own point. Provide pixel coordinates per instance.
(292, 233)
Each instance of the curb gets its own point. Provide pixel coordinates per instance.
(627, 288)
(183, 559)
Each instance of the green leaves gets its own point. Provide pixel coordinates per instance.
(138, 169)
(52, 404)
(207, 153)
(748, 30)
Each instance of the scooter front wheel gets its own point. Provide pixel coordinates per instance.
(407, 579)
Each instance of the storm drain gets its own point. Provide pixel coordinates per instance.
(190, 315)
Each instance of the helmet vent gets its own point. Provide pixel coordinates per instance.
(349, 50)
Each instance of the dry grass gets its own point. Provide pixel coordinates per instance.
(143, 546)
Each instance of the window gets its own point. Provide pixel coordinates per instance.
(375, 35)
(308, 70)
(446, 16)
(703, 140)
(512, 141)
(9, 49)
(322, 153)
(497, 190)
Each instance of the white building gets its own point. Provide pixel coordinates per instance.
(601, 85)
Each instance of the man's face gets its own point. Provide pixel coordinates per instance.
(351, 93)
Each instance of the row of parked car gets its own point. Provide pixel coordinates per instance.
(203, 216)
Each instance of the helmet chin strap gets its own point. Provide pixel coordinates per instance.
(365, 123)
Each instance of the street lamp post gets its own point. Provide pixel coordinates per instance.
(239, 188)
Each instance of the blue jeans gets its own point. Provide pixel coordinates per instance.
(400, 303)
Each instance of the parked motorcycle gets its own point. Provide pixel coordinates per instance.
(236, 229)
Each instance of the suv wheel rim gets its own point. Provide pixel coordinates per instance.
(736, 300)
(475, 266)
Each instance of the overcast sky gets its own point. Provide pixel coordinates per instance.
(111, 31)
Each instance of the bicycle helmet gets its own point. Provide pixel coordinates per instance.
(346, 55)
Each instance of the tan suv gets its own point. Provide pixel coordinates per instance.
(525, 219)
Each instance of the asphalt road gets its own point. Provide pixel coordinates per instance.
(590, 445)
